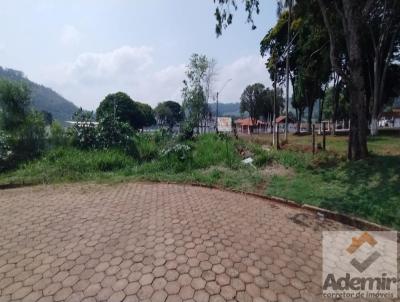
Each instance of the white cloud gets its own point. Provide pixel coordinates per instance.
(124, 63)
(243, 71)
(70, 36)
(89, 78)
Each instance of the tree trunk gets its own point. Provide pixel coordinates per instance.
(351, 18)
(376, 96)
(309, 116)
(374, 126)
(299, 121)
(336, 95)
(321, 107)
(358, 101)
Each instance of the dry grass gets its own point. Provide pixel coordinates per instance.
(386, 144)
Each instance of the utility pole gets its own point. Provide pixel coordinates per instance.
(216, 116)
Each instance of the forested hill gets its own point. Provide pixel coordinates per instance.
(226, 109)
(43, 98)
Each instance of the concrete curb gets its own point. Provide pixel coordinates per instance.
(342, 218)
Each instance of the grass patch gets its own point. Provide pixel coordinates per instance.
(70, 164)
(367, 189)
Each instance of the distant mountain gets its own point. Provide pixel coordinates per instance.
(226, 109)
(43, 98)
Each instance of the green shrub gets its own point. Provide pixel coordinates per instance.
(147, 147)
(113, 133)
(24, 134)
(262, 159)
(29, 139)
(186, 131)
(177, 158)
(162, 136)
(5, 150)
(178, 151)
(58, 136)
(84, 131)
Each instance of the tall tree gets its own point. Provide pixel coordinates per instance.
(309, 61)
(266, 104)
(252, 100)
(351, 14)
(383, 22)
(197, 83)
(336, 104)
(14, 104)
(345, 23)
(287, 4)
(147, 115)
(122, 106)
(169, 113)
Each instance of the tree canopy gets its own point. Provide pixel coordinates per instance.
(258, 101)
(22, 130)
(361, 38)
(196, 89)
(147, 114)
(169, 113)
(137, 115)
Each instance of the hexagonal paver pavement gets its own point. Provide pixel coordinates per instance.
(155, 242)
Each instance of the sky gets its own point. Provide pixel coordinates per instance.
(86, 49)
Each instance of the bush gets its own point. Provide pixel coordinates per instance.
(23, 137)
(5, 150)
(58, 136)
(28, 141)
(186, 131)
(147, 146)
(179, 151)
(261, 159)
(162, 136)
(84, 131)
(177, 158)
(112, 133)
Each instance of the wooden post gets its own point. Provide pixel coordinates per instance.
(277, 137)
(273, 133)
(313, 138)
(323, 137)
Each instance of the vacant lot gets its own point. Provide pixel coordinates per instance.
(367, 189)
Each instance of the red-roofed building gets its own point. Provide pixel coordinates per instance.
(249, 125)
(281, 119)
(390, 119)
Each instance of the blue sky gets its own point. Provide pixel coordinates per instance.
(85, 49)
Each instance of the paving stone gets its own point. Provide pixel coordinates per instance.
(159, 296)
(228, 292)
(154, 242)
(186, 292)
